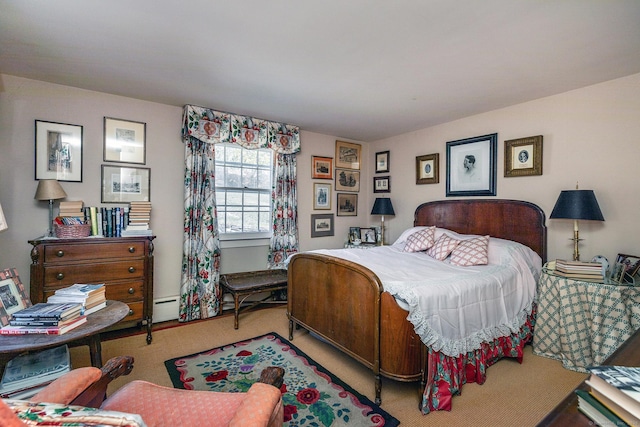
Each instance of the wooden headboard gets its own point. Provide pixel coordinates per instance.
(515, 220)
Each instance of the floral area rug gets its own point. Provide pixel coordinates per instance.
(312, 396)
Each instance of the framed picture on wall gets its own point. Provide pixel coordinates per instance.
(58, 151)
(471, 166)
(124, 141)
(381, 184)
(321, 225)
(321, 167)
(347, 204)
(428, 169)
(347, 180)
(122, 184)
(321, 196)
(523, 157)
(347, 155)
(382, 162)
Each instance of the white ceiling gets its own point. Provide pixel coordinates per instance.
(356, 69)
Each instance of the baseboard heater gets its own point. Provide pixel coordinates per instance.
(166, 308)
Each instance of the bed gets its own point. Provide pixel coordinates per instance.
(345, 304)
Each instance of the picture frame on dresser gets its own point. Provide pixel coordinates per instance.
(13, 295)
(125, 184)
(58, 151)
(124, 141)
(627, 268)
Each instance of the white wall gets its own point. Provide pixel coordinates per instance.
(590, 136)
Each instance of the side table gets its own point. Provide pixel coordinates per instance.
(87, 333)
(581, 323)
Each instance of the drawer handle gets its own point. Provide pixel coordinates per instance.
(131, 291)
(60, 253)
(130, 312)
(60, 276)
(132, 269)
(132, 249)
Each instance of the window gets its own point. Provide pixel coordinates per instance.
(243, 191)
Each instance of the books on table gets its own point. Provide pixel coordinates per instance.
(91, 296)
(591, 271)
(26, 374)
(49, 311)
(45, 318)
(618, 389)
(597, 412)
(48, 330)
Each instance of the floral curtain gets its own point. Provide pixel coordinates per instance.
(202, 129)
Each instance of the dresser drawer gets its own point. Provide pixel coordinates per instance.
(129, 291)
(135, 312)
(93, 252)
(58, 275)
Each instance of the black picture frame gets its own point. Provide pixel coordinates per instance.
(124, 141)
(59, 149)
(347, 204)
(381, 184)
(382, 161)
(471, 166)
(122, 184)
(322, 225)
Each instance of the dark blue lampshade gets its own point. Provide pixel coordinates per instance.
(577, 204)
(382, 206)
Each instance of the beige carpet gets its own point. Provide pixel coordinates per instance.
(514, 394)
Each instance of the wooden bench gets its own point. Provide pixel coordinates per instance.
(243, 285)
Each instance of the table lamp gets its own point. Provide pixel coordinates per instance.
(3, 221)
(577, 204)
(50, 189)
(382, 206)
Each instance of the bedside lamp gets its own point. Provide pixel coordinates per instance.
(3, 221)
(50, 189)
(577, 204)
(382, 207)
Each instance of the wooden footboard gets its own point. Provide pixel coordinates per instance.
(345, 304)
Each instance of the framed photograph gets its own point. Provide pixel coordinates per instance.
(321, 225)
(124, 141)
(354, 234)
(381, 184)
(321, 196)
(347, 155)
(368, 235)
(428, 169)
(471, 166)
(347, 204)
(321, 167)
(123, 184)
(58, 151)
(347, 180)
(523, 157)
(628, 269)
(13, 296)
(382, 162)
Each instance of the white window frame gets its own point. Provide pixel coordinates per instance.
(245, 239)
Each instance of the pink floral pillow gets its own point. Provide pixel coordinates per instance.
(420, 240)
(443, 247)
(471, 252)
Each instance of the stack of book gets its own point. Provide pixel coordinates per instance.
(614, 396)
(92, 297)
(578, 270)
(45, 318)
(26, 374)
(139, 218)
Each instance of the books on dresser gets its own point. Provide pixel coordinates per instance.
(618, 389)
(91, 296)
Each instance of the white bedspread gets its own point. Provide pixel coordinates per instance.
(454, 309)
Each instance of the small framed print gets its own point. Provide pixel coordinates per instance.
(347, 180)
(354, 234)
(322, 196)
(321, 167)
(428, 169)
(381, 184)
(347, 155)
(123, 184)
(628, 269)
(58, 151)
(382, 162)
(347, 204)
(523, 157)
(13, 296)
(368, 235)
(321, 225)
(124, 141)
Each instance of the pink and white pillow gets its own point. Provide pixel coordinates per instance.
(420, 240)
(442, 247)
(471, 252)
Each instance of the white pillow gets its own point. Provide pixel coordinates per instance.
(406, 233)
(471, 252)
(420, 240)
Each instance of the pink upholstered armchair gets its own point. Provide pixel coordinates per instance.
(157, 406)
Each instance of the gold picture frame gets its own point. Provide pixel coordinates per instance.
(321, 196)
(523, 156)
(321, 167)
(428, 169)
(348, 155)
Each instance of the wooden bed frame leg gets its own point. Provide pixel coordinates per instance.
(378, 390)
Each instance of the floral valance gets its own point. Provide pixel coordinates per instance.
(215, 126)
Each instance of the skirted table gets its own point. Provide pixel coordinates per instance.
(582, 323)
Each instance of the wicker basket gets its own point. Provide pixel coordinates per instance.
(73, 231)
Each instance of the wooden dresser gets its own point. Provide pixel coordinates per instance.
(124, 265)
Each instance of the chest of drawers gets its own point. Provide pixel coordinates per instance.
(124, 265)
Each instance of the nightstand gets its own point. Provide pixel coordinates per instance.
(582, 323)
